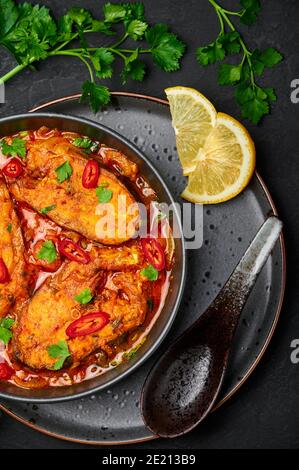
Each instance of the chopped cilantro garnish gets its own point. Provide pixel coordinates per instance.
(48, 252)
(64, 172)
(84, 297)
(150, 273)
(59, 351)
(47, 209)
(17, 148)
(104, 194)
(5, 329)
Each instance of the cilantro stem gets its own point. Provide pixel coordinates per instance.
(65, 43)
(112, 49)
(118, 43)
(228, 12)
(141, 51)
(233, 13)
(79, 56)
(247, 53)
(117, 52)
(13, 72)
(72, 38)
(221, 22)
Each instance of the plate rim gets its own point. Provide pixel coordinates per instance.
(250, 371)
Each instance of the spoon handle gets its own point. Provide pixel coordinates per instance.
(234, 294)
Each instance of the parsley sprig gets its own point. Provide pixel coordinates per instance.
(31, 34)
(254, 101)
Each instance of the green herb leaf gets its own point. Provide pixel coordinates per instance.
(59, 351)
(114, 13)
(5, 329)
(17, 148)
(8, 17)
(135, 10)
(78, 19)
(64, 172)
(229, 74)
(5, 335)
(47, 209)
(150, 273)
(83, 142)
(251, 11)
(102, 60)
(230, 42)
(254, 102)
(136, 29)
(9, 227)
(80, 16)
(270, 92)
(268, 57)
(32, 35)
(166, 48)
(134, 68)
(47, 252)
(211, 53)
(102, 27)
(97, 95)
(84, 297)
(104, 194)
(150, 304)
(7, 323)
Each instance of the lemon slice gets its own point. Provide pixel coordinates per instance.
(222, 162)
(193, 117)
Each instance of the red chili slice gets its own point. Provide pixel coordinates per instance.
(153, 252)
(13, 169)
(4, 274)
(91, 174)
(73, 251)
(6, 372)
(88, 324)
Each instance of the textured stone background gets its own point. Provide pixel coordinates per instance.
(265, 413)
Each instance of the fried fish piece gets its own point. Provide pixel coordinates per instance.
(121, 258)
(44, 319)
(15, 291)
(37, 229)
(126, 304)
(76, 208)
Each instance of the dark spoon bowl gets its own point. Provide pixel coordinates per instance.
(13, 124)
(184, 384)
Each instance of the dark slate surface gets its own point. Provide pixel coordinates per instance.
(265, 413)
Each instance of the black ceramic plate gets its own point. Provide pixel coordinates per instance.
(112, 416)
